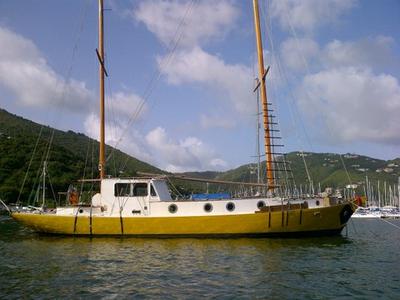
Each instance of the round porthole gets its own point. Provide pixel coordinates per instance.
(260, 204)
(173, 208)
(230, 206)
(317, 202)
(80, 210)
(208, 207)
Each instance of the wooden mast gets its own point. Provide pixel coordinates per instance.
(102, 161)
(262, 73)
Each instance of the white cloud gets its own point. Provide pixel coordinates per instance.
(347, 86)
(198, 66)
(216, 122)
(346, 82)
(132, 143)
(370, 52)
(296, 53)
(127, 105)
(202, 20)
(25, 72)
(307, 15)
(178, 156)
(355, 104)
(305, 55)
(157, 148)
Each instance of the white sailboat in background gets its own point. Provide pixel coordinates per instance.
(373, 207)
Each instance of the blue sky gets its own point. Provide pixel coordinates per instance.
(190, 67)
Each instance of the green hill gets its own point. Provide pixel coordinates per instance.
(24, 144)
(72, 156)
(326, 169)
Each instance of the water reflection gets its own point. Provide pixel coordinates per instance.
(61, 266)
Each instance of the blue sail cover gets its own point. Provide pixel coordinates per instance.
(210, 196)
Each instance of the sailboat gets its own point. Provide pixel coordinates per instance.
(143, 206)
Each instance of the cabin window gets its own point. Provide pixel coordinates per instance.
(260, 204)
(208, 207)
(173, 208)
(140, 190)
(122, 189)
(230, 206)
(153, 191)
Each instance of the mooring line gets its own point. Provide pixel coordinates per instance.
(398, 227)
(5, 205)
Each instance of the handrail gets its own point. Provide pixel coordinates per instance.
(182, 177)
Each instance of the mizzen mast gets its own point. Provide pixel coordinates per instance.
(100, 54)
(262, 73)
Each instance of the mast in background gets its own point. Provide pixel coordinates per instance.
(100, 53)
(262, 74)
(44, 183)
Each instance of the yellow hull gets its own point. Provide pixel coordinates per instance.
(324, 220)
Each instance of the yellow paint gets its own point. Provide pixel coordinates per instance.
(312, 220)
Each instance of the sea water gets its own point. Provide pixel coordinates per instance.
(364, 262)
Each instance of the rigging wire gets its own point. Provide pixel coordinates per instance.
(38, 175)
(29, 165)
(307, 93)
(157, 75)
(51, 187)
(46, 153)
(174, 187)
(69, 70)
(292, 104)
(268, 26)
(86, 162)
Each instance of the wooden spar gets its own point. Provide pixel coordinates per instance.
(182, 177)
(102, 161)
(262, 72)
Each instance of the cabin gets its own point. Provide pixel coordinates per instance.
(145, 197)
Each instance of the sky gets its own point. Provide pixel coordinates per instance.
(181, 75)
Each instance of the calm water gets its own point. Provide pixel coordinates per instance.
(365, 264)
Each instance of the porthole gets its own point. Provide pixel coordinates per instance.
(230, 206)
(260, 204)
(173, 208)
(208, 207)
(317, 202)
(80, 210)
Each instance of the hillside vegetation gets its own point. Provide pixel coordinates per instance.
(326, 169)
(72, 156)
